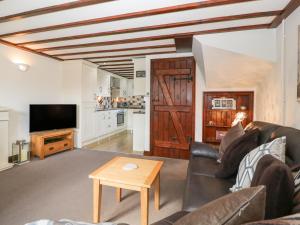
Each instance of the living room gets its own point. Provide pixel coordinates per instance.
(101, 100)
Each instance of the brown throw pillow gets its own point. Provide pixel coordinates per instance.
(236, 208)
(279, 182)
(288, 220)
(233, 133)
(235, 152)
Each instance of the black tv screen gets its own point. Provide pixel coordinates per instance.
(50, 117)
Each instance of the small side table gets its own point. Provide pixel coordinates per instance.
(147, 175)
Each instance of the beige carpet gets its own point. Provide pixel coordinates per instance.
(58, 187)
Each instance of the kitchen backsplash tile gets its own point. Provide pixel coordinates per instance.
(132, 101)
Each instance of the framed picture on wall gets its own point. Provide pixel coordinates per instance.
(298, 82)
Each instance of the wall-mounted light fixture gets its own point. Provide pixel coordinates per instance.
(22, 67)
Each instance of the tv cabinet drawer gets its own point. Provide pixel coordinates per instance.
(57, 147)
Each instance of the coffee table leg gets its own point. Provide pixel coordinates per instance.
(97, 189)
(119, 194)
(157, 192)
(144, 206)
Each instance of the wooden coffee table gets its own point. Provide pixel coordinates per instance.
(141, 179)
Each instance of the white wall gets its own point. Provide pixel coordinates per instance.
(255, 43)
(277, 94)
(270, 92)
(40, 84)
(290, 59)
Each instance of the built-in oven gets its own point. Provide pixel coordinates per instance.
(120, 118)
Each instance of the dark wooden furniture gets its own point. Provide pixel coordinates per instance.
(215, 120)
(172, 106)
(50, 142)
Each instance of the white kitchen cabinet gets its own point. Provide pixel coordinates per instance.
(103, 83)
(130, 87)
(130, 119)
(4, 149)
(88, 129)
(100, 123)
(89, 83)
(138, 132)
(123, 88)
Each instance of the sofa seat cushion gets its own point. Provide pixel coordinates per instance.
(171, 219)
(203, 166)
(202, 189)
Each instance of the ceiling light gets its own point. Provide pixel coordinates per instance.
(22, 67)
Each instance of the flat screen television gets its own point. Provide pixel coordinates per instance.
(51, 117)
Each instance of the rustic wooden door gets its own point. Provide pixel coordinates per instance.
(172, 106)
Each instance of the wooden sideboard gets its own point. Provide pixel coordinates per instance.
(50, 142)
(220, 120)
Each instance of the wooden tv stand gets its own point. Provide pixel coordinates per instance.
(50, 142)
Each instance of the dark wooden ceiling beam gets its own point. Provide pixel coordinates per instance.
(289, 9)
(51, 9)
(122, 64)
(120, 69)
(128, 55)
(116, 50)
(159, 37)
(106, 62)
(28, 50)
(170, 9)
(158, 27)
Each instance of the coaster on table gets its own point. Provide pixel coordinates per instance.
(130, 166)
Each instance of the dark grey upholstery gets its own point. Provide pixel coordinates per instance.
(202, 186)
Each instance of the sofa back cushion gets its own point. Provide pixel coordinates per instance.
(266, 130)
(279, 182)
(236, 152)
(233, 133)
(292, 143)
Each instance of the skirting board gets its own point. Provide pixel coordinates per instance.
(6, 166)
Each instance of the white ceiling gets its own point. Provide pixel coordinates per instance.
(119, 7)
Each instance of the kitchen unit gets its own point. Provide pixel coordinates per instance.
(86, 85)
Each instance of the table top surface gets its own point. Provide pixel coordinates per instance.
(113, 171)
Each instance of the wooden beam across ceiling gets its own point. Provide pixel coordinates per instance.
(289, 9)
(28, 50)
(128, 55)
(104, 63)
(155, 38)
(121, 64)
(121, 69)
(158, 27)
(170, 9)
(116, 50)
(51, 9)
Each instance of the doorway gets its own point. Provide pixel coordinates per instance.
(172, 120)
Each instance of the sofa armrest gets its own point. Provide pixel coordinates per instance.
(199, 149)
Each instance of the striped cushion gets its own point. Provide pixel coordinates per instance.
(248, 165)
(297, 182)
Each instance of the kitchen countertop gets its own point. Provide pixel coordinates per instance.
(119, 109)
(139, 112)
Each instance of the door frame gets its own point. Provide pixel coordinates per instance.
(193, 72)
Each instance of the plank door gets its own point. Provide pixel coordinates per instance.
(172, 106)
